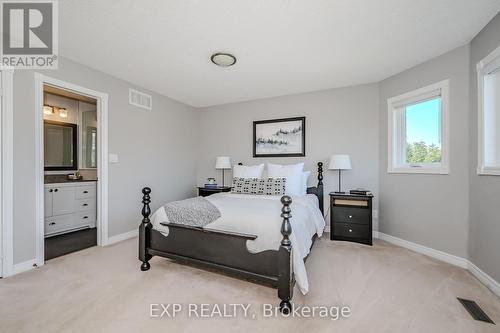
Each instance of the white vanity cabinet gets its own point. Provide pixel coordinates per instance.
(69, 207)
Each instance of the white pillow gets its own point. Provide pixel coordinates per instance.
(248, 171)
(305, 177)
(292, 173)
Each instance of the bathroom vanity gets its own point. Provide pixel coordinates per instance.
(69, 206)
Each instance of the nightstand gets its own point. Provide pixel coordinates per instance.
(206, 191)
(351, 218)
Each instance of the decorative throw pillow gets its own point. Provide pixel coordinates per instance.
(259, 186)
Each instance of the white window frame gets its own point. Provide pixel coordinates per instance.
(396, 123)
(484, 67)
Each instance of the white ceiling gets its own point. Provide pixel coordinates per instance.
(283, 46)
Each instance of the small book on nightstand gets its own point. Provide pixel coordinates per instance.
(360, 191)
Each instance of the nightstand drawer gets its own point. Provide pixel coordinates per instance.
(351, 215)
(351, 230)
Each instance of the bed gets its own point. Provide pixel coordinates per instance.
(246, 249)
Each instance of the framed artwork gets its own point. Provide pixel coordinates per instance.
(279, 137)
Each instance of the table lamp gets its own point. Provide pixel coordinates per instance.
(223, 163)
(340, 162)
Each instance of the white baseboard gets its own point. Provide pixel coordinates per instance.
(122, 237)
(23, 266)
(436, 254)
(485, 279)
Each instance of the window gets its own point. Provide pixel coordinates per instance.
(489, 114)
(418, 131)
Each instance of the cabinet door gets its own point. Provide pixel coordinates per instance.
(59, 224)
(47, 194)
(63, 200)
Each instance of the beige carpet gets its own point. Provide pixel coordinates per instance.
(388, 288)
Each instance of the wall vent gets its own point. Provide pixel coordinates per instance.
(140, 99)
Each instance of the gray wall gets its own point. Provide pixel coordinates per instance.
(152, 146)
(484, 243)
(337, 121)
(430, 210)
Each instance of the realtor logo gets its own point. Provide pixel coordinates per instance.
(29, 34)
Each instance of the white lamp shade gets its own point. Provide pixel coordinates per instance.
(340, 162)
(223, 162)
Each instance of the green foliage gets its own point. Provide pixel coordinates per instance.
(419, 152)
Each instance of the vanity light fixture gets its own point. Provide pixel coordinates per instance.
(223, 59)
(63, 113)
(47, 109)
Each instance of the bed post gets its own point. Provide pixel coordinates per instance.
(145, 230)
(285, 272)
(320, 186)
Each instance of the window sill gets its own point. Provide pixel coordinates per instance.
(484, 171)
(419, 170)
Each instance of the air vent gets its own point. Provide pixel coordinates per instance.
(475, 311)
(140, 99)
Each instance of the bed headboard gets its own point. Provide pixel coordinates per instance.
(318, 190)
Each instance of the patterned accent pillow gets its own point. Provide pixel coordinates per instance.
(260, 186)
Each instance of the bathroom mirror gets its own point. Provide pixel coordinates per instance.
(60, 143)
(89, 137)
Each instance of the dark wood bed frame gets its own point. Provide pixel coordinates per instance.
(226, 251)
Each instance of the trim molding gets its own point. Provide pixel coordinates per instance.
(395, 121)
(122, 237)
(6, 172)
(485, 279)
(102, 137)
(483, 67)
(436, 254)
(24, 266)
(32, 264)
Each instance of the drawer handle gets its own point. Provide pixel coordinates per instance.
(350, 230)
(350, 216)
(56, 190)
(52, 223)
(85, 192)
(85, 217)
(51, 190)
(85, 205)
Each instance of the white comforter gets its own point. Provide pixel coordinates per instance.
(260, 215)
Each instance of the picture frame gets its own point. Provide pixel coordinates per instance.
(285, 137)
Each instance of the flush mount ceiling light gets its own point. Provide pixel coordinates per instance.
(223, 59)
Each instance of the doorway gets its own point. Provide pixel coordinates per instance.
(72, 168)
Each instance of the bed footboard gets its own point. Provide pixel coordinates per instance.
(224, 251)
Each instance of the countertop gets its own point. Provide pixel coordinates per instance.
(54, 179)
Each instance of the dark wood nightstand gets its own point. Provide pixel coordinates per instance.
(206, 191)
(351, 218)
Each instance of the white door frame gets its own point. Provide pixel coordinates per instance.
(102, 159)
(6, 173)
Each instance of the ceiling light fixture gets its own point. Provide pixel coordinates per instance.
(223, 59)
